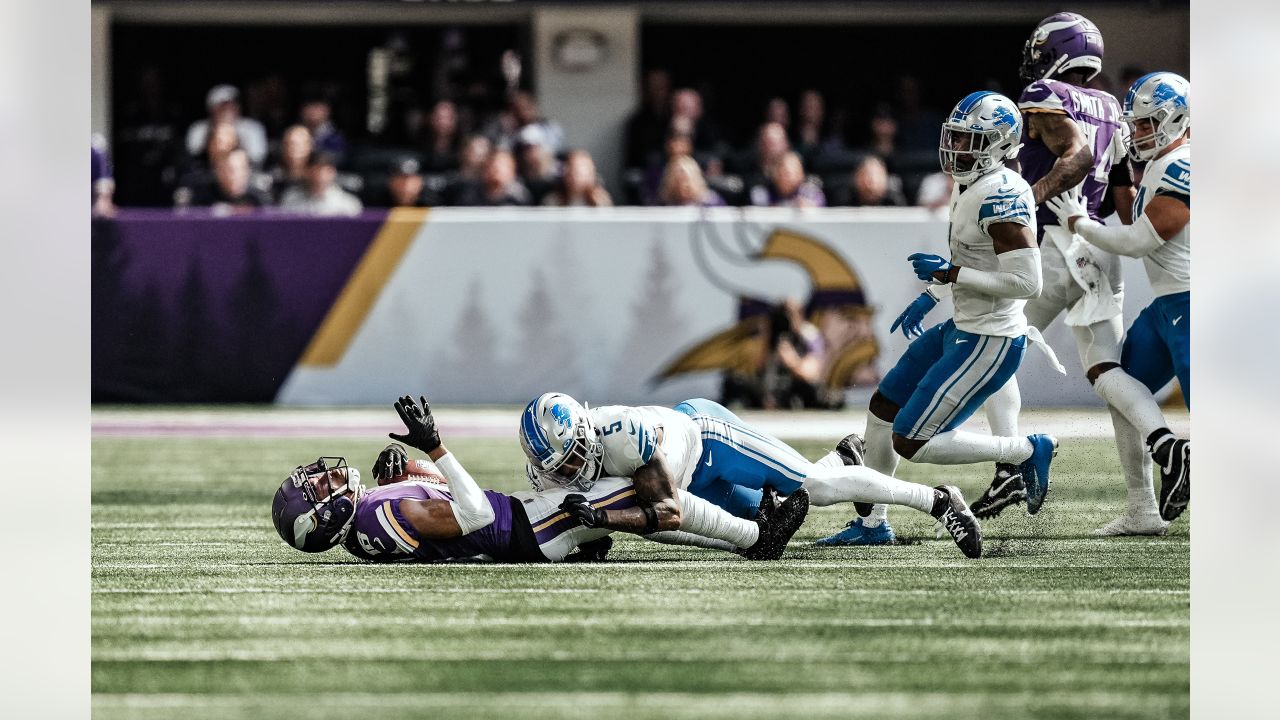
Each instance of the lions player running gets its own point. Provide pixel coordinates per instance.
(324, 504)
(701, 446)
(950, 369)
(1073, 138)
(1157, 348)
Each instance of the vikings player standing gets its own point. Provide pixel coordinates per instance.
(704, 448)
(323, 504)
(949, 370)
(1073, 137)
(1157, 347)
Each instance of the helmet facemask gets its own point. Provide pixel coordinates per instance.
(330, 517)
(1167, 124)
(966, 154)
(562, 444)
(578, 466)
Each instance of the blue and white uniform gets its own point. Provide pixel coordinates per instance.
(1157, 347)
(950, 370)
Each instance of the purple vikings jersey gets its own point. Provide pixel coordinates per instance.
(1098, 116)
(382, 534)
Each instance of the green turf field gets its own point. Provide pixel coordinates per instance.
(199, 611)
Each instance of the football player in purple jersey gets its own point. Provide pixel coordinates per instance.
(413, 516)
(1074, 138)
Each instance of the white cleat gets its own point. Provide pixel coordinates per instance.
(1133, 525)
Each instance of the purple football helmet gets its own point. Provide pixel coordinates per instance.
(1061, 42)
(309, 522)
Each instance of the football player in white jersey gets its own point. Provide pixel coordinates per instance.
(951, 369)
(704, 448)
(1157, 347)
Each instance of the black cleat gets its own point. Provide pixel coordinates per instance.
(957, 519)
(786, 520)
(594, 551)
(1175, 478)
(1007, 489)
(853, 451)
(768, 504)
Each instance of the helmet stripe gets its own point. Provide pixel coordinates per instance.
(533, 434)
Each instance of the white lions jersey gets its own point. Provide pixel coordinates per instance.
(998, 197)
(1168, 266)
(631, 434)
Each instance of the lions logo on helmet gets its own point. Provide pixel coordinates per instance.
(561, 442)
(983, 130)
(1157, 110)
(1061, 42)
(312, 523)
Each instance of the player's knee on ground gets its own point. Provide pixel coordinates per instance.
(883, 408)
(1096, 371)
(906, 447)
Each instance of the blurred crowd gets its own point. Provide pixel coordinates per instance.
(453, 154)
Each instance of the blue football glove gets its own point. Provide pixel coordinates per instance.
(926, 265)
(911, 318)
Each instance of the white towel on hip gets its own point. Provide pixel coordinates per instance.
(1099, 301)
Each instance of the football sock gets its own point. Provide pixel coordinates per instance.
(856, 483)
(880, 456)
(1123, 392)
(1136, 464)
(703, 518)
(680, 537)
(959, 448)
(1002, 409)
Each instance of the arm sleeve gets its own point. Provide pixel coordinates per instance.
(939, 292)
(1136, 240)
(470, 506)
(1017, 278)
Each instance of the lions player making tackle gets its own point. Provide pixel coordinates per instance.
(324, 504)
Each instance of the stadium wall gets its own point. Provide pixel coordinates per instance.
(496, 305)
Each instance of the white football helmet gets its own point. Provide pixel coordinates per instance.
(1164, 99)
(562, 443)
(983, 130)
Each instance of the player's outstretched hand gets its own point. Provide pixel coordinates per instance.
(1068, 206)
(422, 433)
(925, 265)
(390, 464)
(580, 510)
(912, 318)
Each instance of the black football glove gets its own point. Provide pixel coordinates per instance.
(581, 511)
(422, 433)
(391, 463)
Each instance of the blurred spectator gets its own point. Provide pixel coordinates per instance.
(884, 134)
(687, 119)
(771, 145)
(522, 119)
(676, 145)
(232, 189)
(267, 100)
(320, 195)
(147, 141)
(442, 141)
(104, 185)
(498, 184)
(872, 186)
(777, 111)
(295, 148)
(935, 191)
(579, 184)
(315, 115)
(471, 163)
(786, 186)
(223, 103)
(538, 168)
(405, 186)
(198, 172)
(811, 135)
(683, 184)
(917, 126)
(647, 126)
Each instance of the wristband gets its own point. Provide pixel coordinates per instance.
(650, 519)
